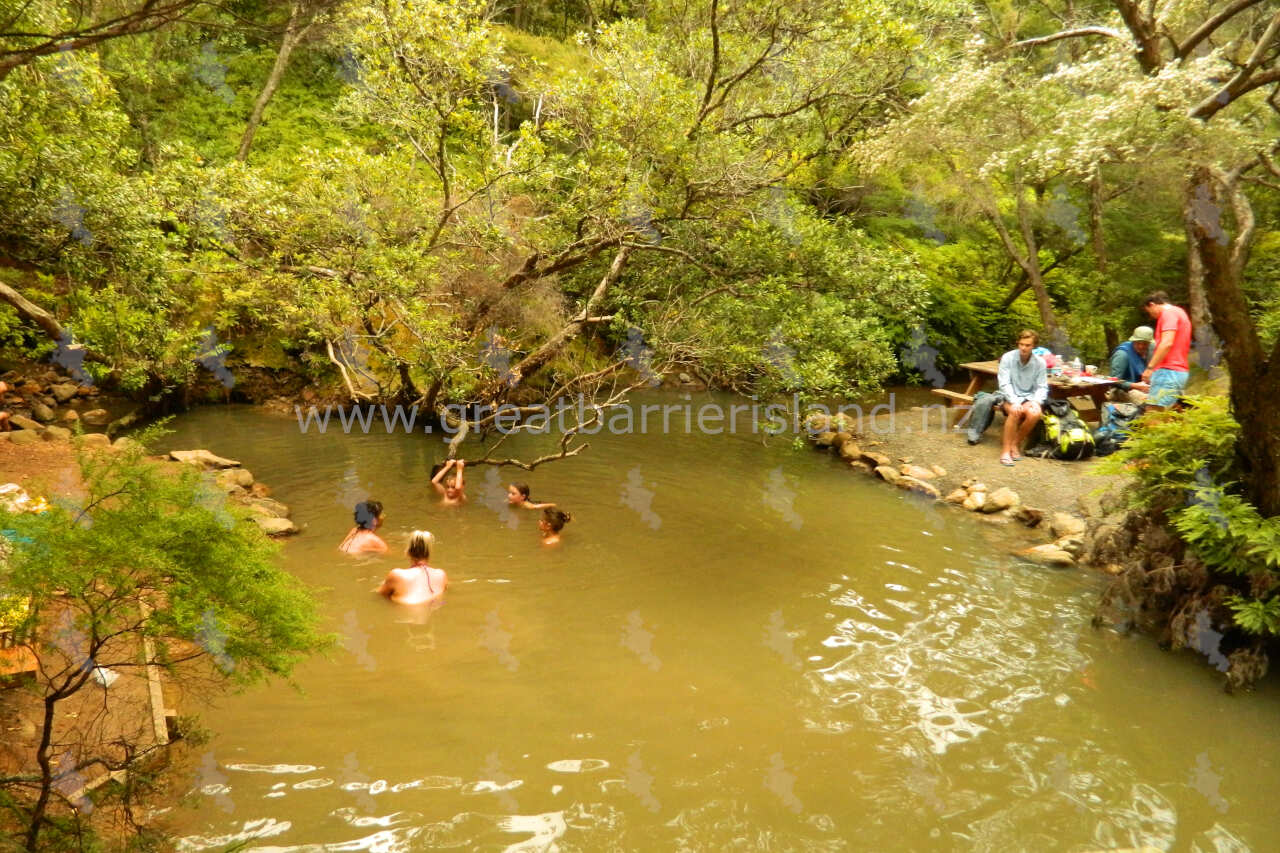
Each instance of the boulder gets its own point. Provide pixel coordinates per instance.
(95, 439)
(850, 450)
(956, 496)
(938, 470)
(24, 436)
(22, 422)
(684, 378)
(260, 490)
(96, 417)
(86, 391)
(126, 444)
(1047, 555)
(56, 433)
(841, 439)
(41, 412)
(202, 458)
(231, 479)
(64, 392)
(1030, 516)
(975, 501)
(917, 485)
(888, 473)
(976, 486)
(817, 422)
(1001, 498)
(70, 416)
(1066, 524)
(877, 459)
(825, 439)
(843, 422)
(275, 526)
(268, 507)
(917, 472)
(1073, 545)
(863, 466)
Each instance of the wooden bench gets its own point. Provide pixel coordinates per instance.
(957, 400)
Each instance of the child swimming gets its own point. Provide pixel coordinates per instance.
(518, 495)
(451, 490)
(420, 583)
(552, 522)
(363, 538)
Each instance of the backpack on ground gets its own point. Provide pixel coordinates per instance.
(1062, 435)
(1117, 420)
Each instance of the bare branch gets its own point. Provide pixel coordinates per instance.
(1207, 29)
(1079, 32)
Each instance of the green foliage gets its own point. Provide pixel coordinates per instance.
(162, 536)
(1168, 454)
(1184, 465)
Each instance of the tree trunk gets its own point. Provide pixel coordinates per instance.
(1034, 276)
(293, 33)
(538, 359)
(1095, 223)
(1255, 378)
(1198, 195)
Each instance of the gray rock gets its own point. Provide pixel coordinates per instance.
(64, 392)
(202, 458)
(269, 507)
(1047, 555)
(273, 526)
(877, 460)
(1030, 516)
(231, 479)
(96, 417)
(1073, 545)
(915, 484)
(1001, 498)
(56, 433)
(23, 422)
(917, 472)
(888, 473)
(1065, 524)
(42, 413)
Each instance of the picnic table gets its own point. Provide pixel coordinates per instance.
(1060, 388)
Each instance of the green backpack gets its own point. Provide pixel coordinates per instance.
(1062, 435)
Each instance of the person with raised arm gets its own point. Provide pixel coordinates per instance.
(452, 488)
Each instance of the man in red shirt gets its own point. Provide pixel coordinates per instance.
(1167, 369)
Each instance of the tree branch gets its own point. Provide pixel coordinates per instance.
(1079, 32)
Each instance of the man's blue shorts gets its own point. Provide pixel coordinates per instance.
(1166, 386)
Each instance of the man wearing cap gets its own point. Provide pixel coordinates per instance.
(1167, 371)
(1127, 363)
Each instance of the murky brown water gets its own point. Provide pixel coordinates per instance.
(738, 646)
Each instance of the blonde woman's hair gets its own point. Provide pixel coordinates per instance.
(420, 544)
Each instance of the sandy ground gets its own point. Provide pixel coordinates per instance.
(921, 438)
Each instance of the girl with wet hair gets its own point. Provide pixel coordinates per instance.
(363, 538)
(420, 583)
(518, 495)
(552, 522)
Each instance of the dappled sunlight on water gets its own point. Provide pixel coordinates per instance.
(737, 646)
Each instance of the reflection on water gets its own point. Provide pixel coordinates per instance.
(737, 646)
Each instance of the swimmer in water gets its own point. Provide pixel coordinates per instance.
(552, 522)
(451, 490)
(363, 538)
(518, 495)
(419, 583)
